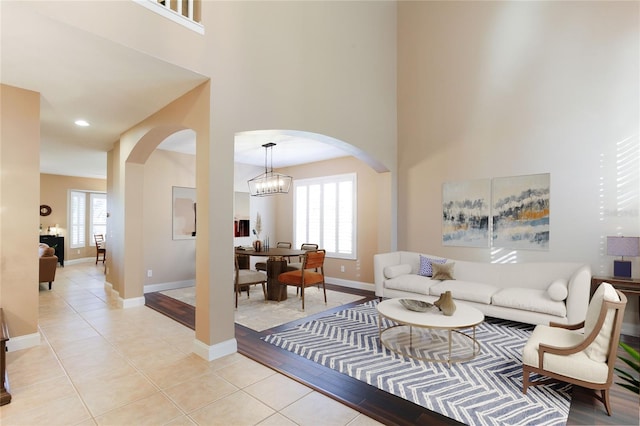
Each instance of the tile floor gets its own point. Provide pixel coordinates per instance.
(99, 364)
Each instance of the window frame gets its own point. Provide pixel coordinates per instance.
(85, 234)
(352, 178)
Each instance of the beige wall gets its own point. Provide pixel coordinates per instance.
(54, 192)
(169, 260)
(494, 89)
(19, 218)
(361, 269)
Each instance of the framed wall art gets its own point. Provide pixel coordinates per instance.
(520, 212)
(465, 213)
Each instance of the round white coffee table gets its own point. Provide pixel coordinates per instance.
(430, 334)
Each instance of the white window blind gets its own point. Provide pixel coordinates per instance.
(98, 216)
(77, 219)
(325, 214)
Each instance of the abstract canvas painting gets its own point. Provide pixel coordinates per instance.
(465, 213)
(520, 212)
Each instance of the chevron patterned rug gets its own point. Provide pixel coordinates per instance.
(484, 391)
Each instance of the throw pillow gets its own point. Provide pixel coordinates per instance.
(397, 270)
(425, 265)
(443, 272)
(557, 290)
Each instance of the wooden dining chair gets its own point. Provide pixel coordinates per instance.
(262, 266)
(311, 273)
(245, 278)
(100, 248)
(291, 266)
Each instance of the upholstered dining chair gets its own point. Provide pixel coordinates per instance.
(311, 273)
(244, 278)
(292, 266)
(101, 249)
(262, 266)
(586, 359)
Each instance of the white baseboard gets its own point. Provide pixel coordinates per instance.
(23, 342)
(351, 284)
(79, 260)
(168, 286)
(131, 302)
(216, 351)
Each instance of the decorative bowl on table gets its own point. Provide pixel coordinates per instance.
(416, 305)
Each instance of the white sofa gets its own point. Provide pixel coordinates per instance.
(513, 291)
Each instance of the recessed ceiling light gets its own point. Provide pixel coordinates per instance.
(82, 123)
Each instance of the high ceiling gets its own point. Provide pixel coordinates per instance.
(81, 76)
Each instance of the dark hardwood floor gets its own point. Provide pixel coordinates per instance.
(382, 406)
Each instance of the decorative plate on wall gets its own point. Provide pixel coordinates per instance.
(45, 210)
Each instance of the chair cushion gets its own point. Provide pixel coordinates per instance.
(246, 276)
(599, 348)
(578, 366)
(295, 278)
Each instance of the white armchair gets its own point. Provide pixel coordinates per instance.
(586, 359)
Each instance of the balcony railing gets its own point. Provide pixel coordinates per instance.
(184, 12)
(185, 8)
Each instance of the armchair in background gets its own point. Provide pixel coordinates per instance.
(48, 264)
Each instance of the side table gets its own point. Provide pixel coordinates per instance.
(626, 285)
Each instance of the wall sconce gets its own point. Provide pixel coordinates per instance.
(623, 246)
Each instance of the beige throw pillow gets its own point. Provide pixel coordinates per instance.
(442, 272)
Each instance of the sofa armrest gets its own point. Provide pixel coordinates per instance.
(381, 261)
(48, 266)
(579, 287)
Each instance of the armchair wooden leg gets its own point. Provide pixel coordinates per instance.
(302, 294)
(324, 289)
(605, 400)
(264, 290)
(525, 380)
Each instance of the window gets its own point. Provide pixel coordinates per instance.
(325, 214)
(77, 219)
(98, 215)
(81, 202)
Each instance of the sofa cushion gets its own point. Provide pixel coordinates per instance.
(411, 282)
(443, 272)
(426, 269)
(529, 299)
(397, 270)
(465, 290)
(599, 348)
(557, 290)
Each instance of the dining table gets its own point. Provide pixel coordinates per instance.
(276, 264)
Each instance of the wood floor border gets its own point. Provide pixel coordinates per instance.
(369, 400)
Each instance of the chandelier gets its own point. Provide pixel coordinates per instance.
(269, 183)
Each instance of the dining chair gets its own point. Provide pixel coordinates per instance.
(298, 265)
(262, 266)
(245, 278)
(311, 273)
(100, 248)
(586, 358)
